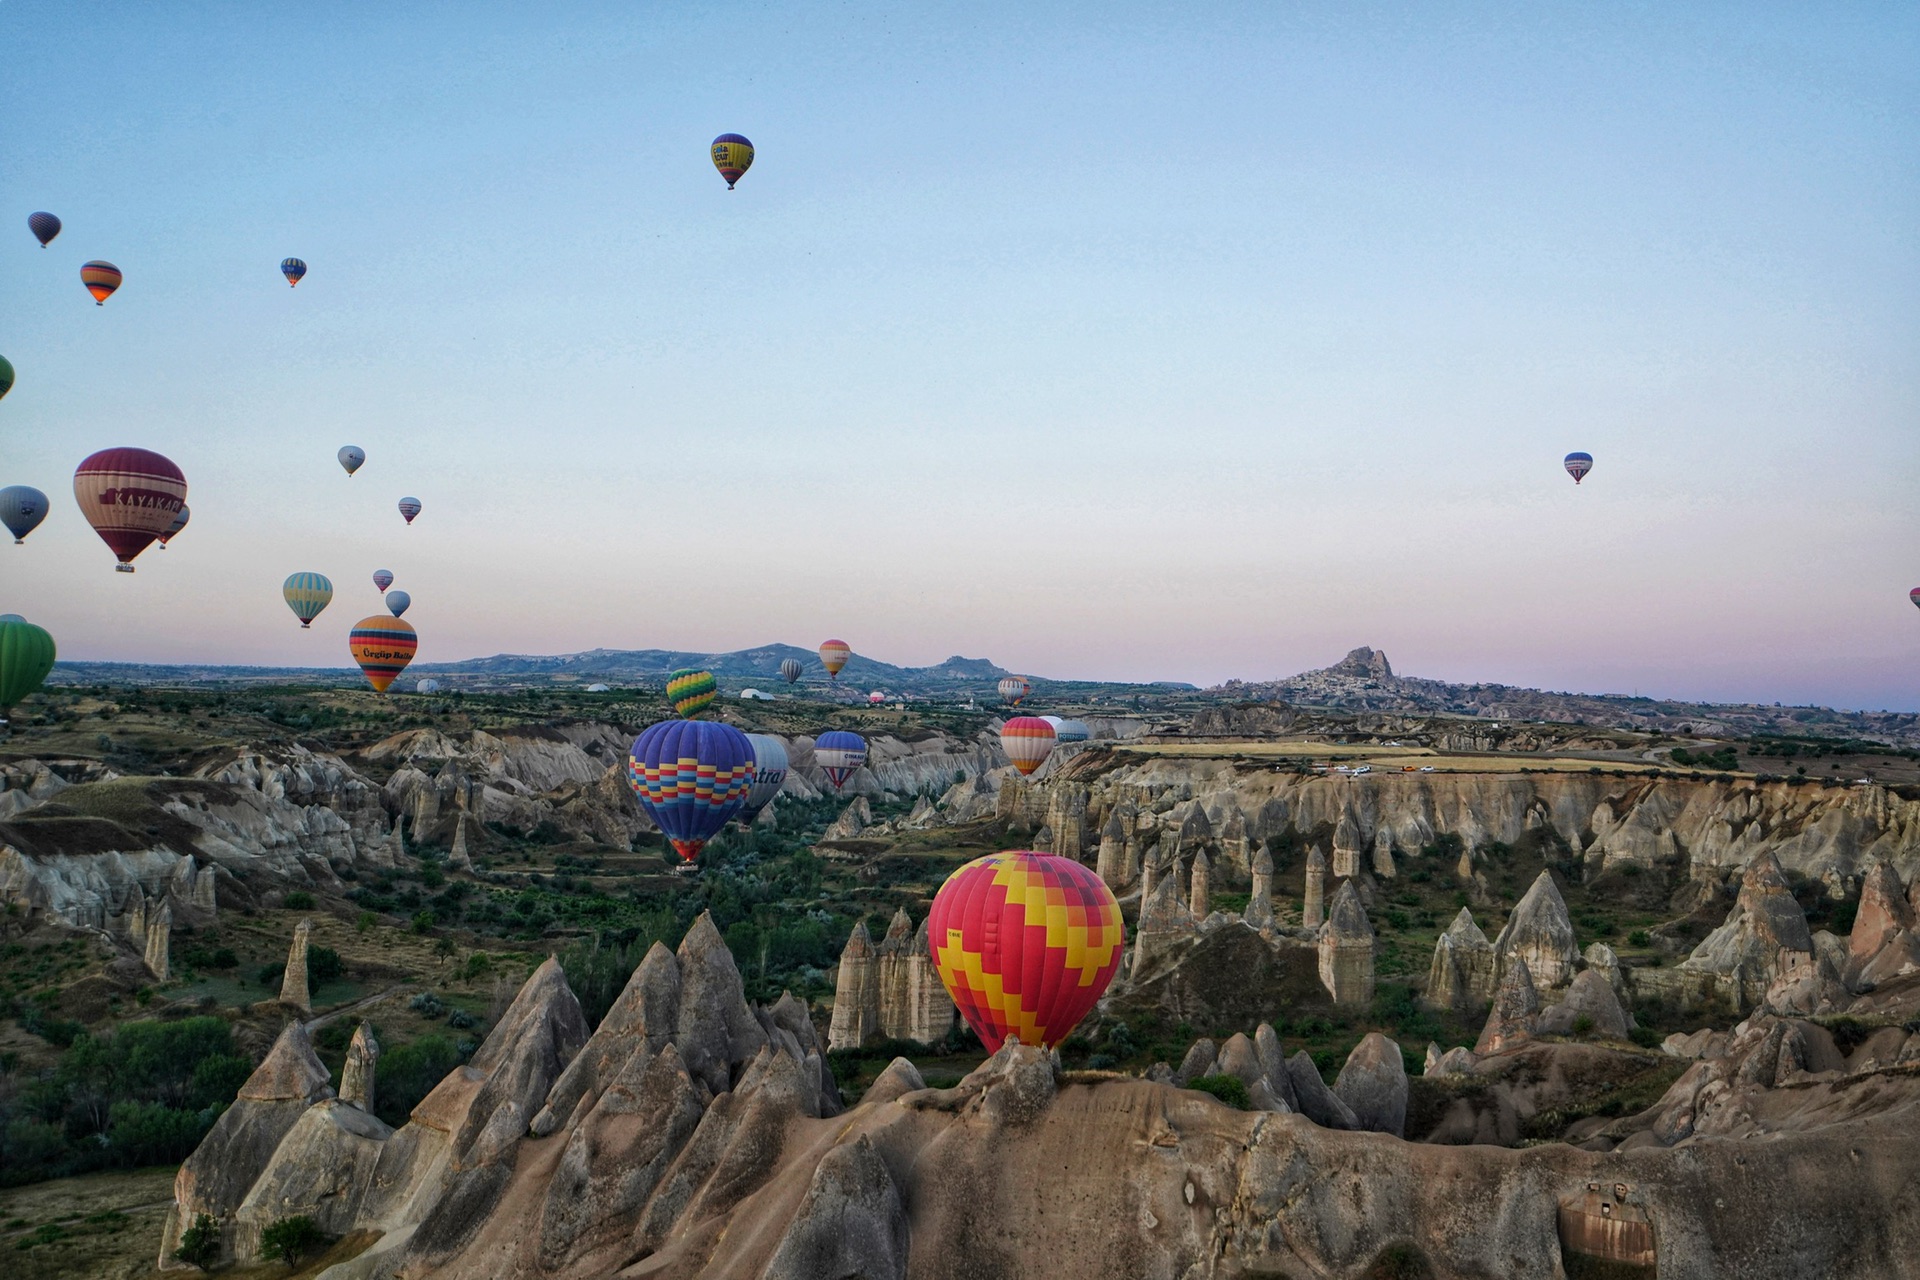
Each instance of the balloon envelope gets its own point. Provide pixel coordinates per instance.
(427, 685)
(307, 594)
(834, 655)
(1913, 595)
(397, 602)
(101, 279)
(790, 670)
(22, 508)
(1026, 944)
(44, 227)
(6, 377)
(293, 269)
(1072, 731)
(26, 655)
(876, 697)
(691, 777)
(1013, 689)
(1028, 741)
(732, 156)
(351, 456)
(383, 647)
(383, 578)
(769, 773)
(409, 508)
(839, 755)
(691, 691)
(1578, 464)
(179, 523)
(130, 497)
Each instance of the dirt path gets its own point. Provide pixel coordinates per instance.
(365, 1002)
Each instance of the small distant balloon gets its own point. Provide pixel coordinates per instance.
(397, 602)
(1913, 595)
(101, 279)
(1013, 689)
(383, 578)
(409, 508)
(179, 523)
(307, 594)
(1072, 731)
(876, 698)
(790, 670)
(130, 497)
(691, 691)
(6, 377)
(44, 227)
(1578, 464)
(293, 269)
(732, 156)
(427, 685)
(351, 457)
(833, 656)
(1028, 741)
(383, 647)
(839, 755)
(22, 508)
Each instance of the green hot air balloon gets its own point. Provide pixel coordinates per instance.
(6, 377)
(26, 655)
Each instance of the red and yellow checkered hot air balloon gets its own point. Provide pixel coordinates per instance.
(1026, 943)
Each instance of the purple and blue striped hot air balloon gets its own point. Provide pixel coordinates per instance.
(839, 755)
(692, 776)
(44, 227)
(293, 269)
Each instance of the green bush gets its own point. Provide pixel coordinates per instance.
(200, 1243)
(409, 1072)
(324, 965)
(292, 1239)
(299, 900)
(1229, 1089)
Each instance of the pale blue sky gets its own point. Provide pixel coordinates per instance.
(1113, 342)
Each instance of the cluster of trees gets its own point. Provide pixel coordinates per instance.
(145, 1093)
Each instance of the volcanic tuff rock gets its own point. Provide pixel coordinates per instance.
(1346, 949)
(1764, 931)
(1589, 997)
(1540, 932)
(1516, 1007)
(1373, 1084)
(889, 992)
(1462, 975)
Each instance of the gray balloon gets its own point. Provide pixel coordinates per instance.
(22, 508)
(351, 456)
(398, 601)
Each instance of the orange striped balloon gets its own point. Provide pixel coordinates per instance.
(1028, 741)
(101, 279)
(383, 646)
(834, 655)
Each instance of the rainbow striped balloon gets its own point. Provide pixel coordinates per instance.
(383, 646)
(690, 691)
(691, 777)
(307, 594)
(1013, 689)
(101, 279)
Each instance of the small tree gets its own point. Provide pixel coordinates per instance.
(200, 1243)
(291, 1239)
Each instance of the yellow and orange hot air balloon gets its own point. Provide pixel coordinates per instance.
(383, 646)
(1028, 741)
(1026, 944)
(101, 279)
(833, 656)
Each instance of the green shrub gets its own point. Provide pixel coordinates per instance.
(324, 965)
(292, 1239)
(298, 900)
(1228, 1089)
(200, 1243)
(409, 1072)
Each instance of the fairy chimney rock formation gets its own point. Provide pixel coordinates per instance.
(1346, 949)
(293, 986)
(856, 996)
(1233, 845)
(1111, 866)
(1313, 906)
(1348, 847)
(1884, 913)
(1765, 935)
(1067, 815)
(458, 859)
(855, 818)
(1165, 921)
(1540, 932)
(159, 938)
(1199, 898)
(1516, 1007)
(1462, 973)
(891, 991)
(1383, 855)
(1260, 906)
(356, 1077)
(1195, 833)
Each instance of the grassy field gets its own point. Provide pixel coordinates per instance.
(1386, 760)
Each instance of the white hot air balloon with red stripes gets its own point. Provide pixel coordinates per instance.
(1028, 741)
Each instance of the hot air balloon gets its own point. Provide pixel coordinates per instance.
(732, 156)
(1578, 464)
(427, 685)
(44, 227)
(769, 774)
(839, 755)
(790, 670)
(1013, 689)
(1026, 944)
(101, 279)
(293, 269)
(307, 594)
(22, 508)
(1913, 595)
(382, 578)
(1028, 741)
(409, 508)
(690, 691)
(1072, 731)
(351, 457)
(6, 377)
(383, 647)
(876, 698)
(26, 655)
(179, 523)
(691, 777)
(130, 497)
(397, 602)
(833, 656)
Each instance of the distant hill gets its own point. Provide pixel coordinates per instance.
(1365, 681)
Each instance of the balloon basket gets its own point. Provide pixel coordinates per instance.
(123, 568)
